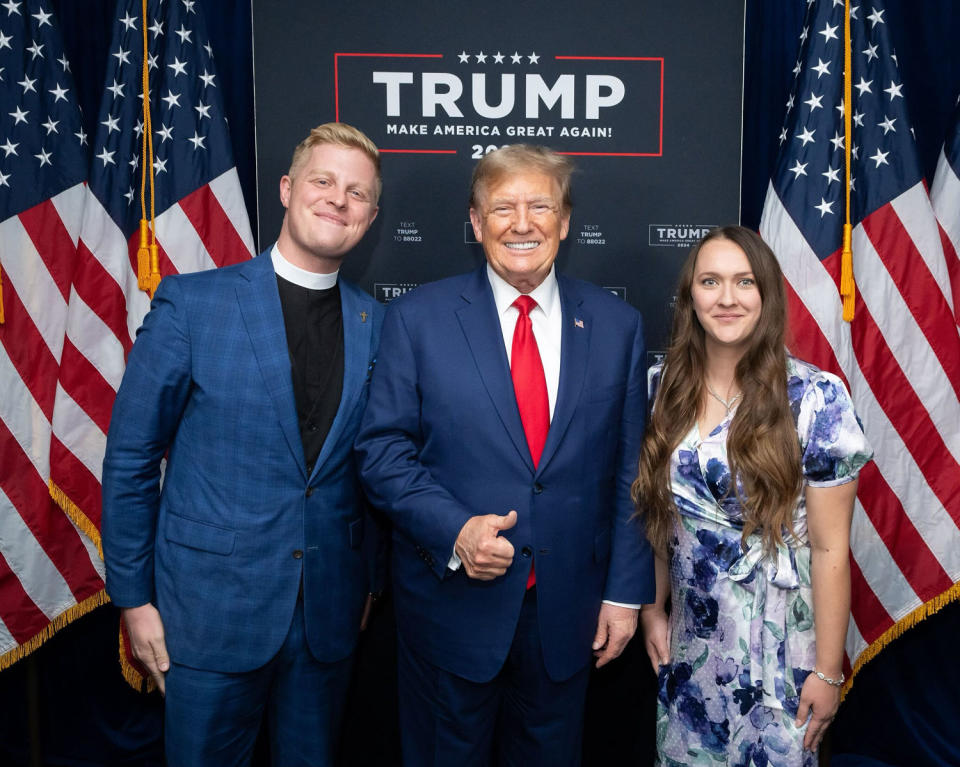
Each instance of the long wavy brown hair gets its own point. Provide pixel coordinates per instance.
(762, 445)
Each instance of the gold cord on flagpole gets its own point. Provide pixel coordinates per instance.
(148, 258)
(2, 320)
(848, 288)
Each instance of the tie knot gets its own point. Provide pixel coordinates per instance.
(524, 304)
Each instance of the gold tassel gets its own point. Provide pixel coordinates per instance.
(1, 298)
(155, 277)
(848, 288)
(143, 257)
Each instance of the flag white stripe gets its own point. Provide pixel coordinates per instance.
(95, 341)
(69, 205)
(226, 188)
(945, 196)
(23, 417)
(855, 642)
(79, 433)
(879, 569)
(913, 209)
(180, 241)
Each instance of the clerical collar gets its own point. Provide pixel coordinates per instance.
(299, 276)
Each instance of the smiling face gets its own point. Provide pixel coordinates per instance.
(725, 295)
(520, 221)
(331, 201)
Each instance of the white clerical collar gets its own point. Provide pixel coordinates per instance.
(546, 294)
(299, 276)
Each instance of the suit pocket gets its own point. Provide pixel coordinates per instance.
(356, 533)
(199, 535)
(601, 545)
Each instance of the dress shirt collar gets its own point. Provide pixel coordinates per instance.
(546, 294)
(301, 277)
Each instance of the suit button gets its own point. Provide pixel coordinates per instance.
(526, 552)
(309, 492)
(297, 554)
(537, 489)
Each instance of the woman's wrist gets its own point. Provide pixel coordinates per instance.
(833, 681)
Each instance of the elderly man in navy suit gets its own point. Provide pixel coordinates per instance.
(243, 579)
(501, 437)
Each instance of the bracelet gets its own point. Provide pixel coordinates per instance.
(832, 682)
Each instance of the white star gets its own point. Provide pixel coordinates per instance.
(832, 174)
(853, 183)
(107, 157)
(172, 99)
(807, 136)
(853, 11)
(159, 166)
(534, 58)
(184, 34)
(19, 116)
(798, 169)
(138, 128)
(122, 56)
(188, 4)
(165, 133)
(203, 110)
(129, 196)
(837, 141)
(894, 57)
(804, 34)
(783, 135)
(116, 89)
(829, 32)
(178, 67)
(130, 22)
(498, 58)
(876, 17)
(880, 158)
(887, 125)
(207, 79)
(790, 103)
(515, 58)
(797, 69)
(3, 179)
(44, 158)
(481, 58)
(5, 41)
(208, 49)
(814, 102)
(59, 93)
(9, 148)
(27, 84)
(36, 50)
(464, 57)
(197, 141)
(822, 68)
(42, 18)
(111, 124)
(51, 125)
(12, 8)
(134, 162)
(82, 136)
(156, 27)
(864, 86)
(870, 52)
(858, 119)
(894, 90)
(837, 2)
(839, 108)
(151, 61)
(854, 151)
(824, 207)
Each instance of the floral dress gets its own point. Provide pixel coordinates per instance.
(742, 638)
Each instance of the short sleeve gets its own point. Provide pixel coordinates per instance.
(832, 442)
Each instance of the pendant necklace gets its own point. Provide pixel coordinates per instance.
(727, 403)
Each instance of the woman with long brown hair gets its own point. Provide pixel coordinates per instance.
(747, 483)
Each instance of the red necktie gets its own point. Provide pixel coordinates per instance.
(530, 386)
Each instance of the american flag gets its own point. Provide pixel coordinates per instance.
(201, 223)
(901, 353)
(945, 196)
(49, 572)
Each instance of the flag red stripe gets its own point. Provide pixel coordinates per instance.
(216, 230)
(29, 353)
(75, 479)
(52, 240)
(20, 615)
(99, 290)
(48, 524)
(86, 386)
(953, 269)
(806, 340)
(870, 615)
(920, 291)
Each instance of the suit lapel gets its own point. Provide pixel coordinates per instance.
(481, 327)
(575, 333)
(263, 317)
(357, 310)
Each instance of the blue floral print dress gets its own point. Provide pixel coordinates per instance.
(742, 623)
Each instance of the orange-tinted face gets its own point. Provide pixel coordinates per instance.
(330, 202)
(520, 222)
(725, 295)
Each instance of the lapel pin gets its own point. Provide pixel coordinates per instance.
(363, 316)
(578, 322)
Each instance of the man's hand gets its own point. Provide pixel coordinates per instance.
(614, 628)
(484, 554)
(146, 641)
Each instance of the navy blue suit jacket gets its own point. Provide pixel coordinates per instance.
(221, 549)
(442, 441)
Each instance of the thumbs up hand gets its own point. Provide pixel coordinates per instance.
(484, 553)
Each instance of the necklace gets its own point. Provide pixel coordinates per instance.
(727, 403)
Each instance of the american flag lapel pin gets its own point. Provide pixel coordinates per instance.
(578, 322)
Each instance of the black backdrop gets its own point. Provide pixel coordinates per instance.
(903, 708)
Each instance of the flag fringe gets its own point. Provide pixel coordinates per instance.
(66, 617)
(897, 630)
(130, 673)
(76, 515)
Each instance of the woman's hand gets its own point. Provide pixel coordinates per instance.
(819, 701)
(656, 635)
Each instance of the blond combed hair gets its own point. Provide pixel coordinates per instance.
(513, 158)
(340, 134)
